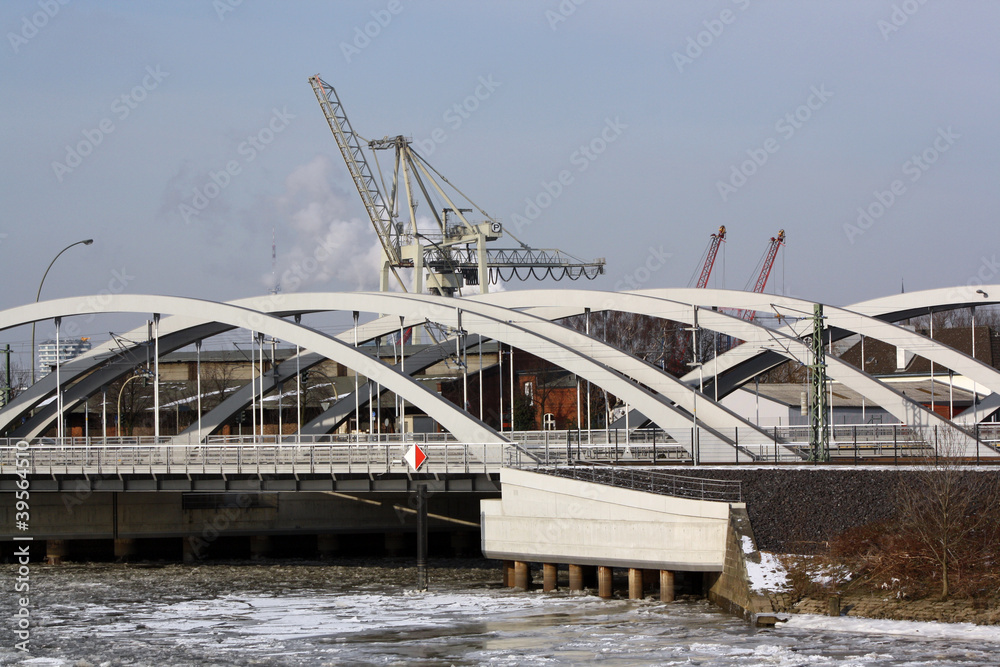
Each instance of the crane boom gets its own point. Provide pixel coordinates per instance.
(455, 253)
(357, 165)
(765, 271)
(713, 250)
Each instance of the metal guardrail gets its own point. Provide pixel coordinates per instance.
(380, 453)
(650, 481)
(259, 459)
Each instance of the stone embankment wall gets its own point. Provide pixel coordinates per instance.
(731, 590)
(798, 510)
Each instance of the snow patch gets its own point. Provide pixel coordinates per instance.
(918, 629)
(767, 575)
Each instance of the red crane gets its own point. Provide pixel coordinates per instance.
(765, 271)
(713, 250)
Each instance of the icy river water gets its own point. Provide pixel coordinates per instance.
(282, 613)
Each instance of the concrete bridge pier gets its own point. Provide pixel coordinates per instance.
(55, 551)
(507, 573)
(666, 586)
(576, 577)
(394, 543)
(634, 583)
(260, 546)
(605, 582)
(461, 544)
(188, 551)
(327, 545)
(550, 577)
(125, 549)
(522, 575)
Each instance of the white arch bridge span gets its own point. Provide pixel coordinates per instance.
(685, 417)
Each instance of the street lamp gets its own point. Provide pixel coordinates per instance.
(38, 296)
(138, 374)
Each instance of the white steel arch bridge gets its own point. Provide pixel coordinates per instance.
(526, 320)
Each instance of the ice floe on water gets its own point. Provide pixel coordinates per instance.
(309, 614)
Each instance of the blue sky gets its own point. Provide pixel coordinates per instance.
(705, 96)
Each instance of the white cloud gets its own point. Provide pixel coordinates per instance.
(329, 249)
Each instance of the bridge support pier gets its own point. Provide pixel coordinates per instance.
(460, 544)
(576, 577)
(507, 573)
(55, 551)
(634, 583)
(260, 546)
(605, 588)
(394, 543)
(666, 586)
(550, 574)
(327, 545)
(522, 575)
(188, 550)
(125, 549)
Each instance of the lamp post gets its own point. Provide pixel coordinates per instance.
(38, 296)
(139, 374)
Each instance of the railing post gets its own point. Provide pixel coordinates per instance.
(736, 453)
(976, 431)
(895, 446)
(855, 429)
(775, 444)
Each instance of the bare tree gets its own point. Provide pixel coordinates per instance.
(663, 343)
(19, 379)
(949, 510)
(217, 383)
(132, 401)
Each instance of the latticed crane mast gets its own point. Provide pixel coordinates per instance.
(713, 249)
(765, 271)
(456, 253)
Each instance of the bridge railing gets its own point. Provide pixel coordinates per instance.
(251, 459)
(651, 481)
(789, 444)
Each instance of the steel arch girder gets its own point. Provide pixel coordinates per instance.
(755, 335)
(616, 370)
(545, 339)
(463, 426)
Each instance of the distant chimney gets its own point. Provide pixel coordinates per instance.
(904, 357)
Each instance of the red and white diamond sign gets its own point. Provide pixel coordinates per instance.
(415, 457)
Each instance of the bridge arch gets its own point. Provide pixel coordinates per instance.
(462, 425)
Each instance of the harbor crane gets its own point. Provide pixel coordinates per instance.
(713, 249)
(454, 253)
(767, 263)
